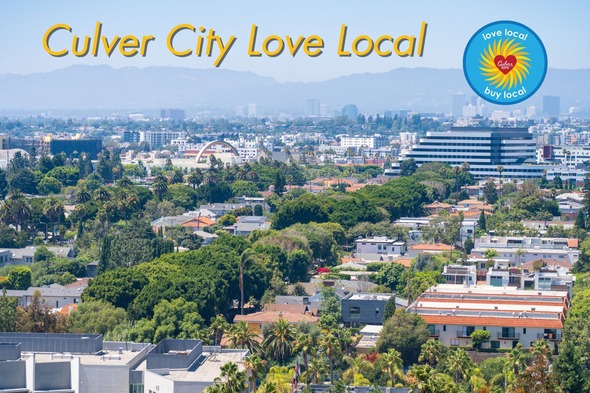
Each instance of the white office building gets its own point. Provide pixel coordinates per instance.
(484, 149)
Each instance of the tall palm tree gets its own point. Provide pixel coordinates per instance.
(305, 343)
(231, 380)
(241, 337)
(332, 348)
(317, 369)
(195, 178)
(53, 209)
(218, 325)
(278, 340)
(160, 186)
(459, 364)
(393, 364)
(431, 352)
(517, 359)
(102, 194)
(255, 365)
(83, 196)
(456, 171)
(177, 177)
(16, 210)
(125, 182)
(419, 376)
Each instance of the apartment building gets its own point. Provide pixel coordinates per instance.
(511, 315)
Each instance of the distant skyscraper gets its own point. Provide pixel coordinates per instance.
(458, 102)
(323, 110)
(551, 106)
(172, 114)
(240, 111)
(312, 108)
(252, 110)
(351, 112)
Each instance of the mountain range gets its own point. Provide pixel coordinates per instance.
(124, 90)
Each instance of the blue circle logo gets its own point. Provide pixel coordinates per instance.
(505, 62)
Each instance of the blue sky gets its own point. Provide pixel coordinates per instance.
(562, 26)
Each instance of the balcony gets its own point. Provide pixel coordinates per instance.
(508, 336)
(549, 336)
(464, 334)
(434, 333)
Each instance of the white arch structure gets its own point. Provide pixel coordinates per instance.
(208, 145)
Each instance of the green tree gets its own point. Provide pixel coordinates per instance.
(19, 277)
(490, 192)
(393, 364)
(49, 185)
(478, 337)
(7, 312)
(241, 337)
(331, 346)
(431, 352)
(408, 167)
(278, 340)
(97, 317)
(255, 367)
(305, 344)
(458, 363)
(389, 308)
(481, 222)
(118, 287)
(404, 332)
(230, 381)
(218, 326)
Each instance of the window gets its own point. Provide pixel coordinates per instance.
(495, 344)
(354, 311)
(444, 328)
(523, 330)
(377, 312)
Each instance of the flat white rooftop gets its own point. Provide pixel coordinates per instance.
(209, 369)
(493, 290)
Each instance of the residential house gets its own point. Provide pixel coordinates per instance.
(459, 274)
(245, 225)
(521, 249)
(258, 320)
(437, 207)
(380, 245)
(511, 315)
(54, 295)
(185, 221)
(221, 209)
(364, 308)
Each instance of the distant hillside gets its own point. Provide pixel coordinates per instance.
(221, 91)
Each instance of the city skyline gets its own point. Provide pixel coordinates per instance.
(449, 29)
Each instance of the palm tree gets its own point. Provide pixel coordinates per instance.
(125, 182)
(83, 196)
(317, 369)
(332, 348)
(431, 352)
(393, 364)
(241, 337)
(102, 194)
(231, 380)
(456, 170)
(500, 169)
(458, 363)
(305, 343)
(177, 177)
(541, 348)
(16, 210)
(195, 178)
(278, 340)
(255, 365)
(419, 376)
(218, 325)
(53, 209)
(160, 186)
(517, 359)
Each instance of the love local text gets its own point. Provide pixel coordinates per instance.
(61, 40)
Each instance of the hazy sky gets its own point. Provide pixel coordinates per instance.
(562, 26)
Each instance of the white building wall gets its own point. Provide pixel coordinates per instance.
(107, 378)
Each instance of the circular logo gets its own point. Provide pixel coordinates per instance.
(505, 62)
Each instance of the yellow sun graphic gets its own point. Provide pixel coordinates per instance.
(505, 63)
